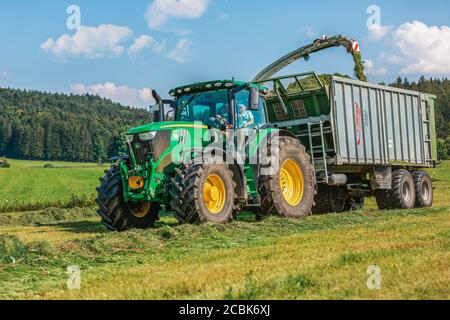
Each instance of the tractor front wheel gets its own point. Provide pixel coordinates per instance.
(115, 213)
(204, 193)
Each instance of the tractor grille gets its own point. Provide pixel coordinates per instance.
(144, 151)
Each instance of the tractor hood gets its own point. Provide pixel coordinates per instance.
(159, 126)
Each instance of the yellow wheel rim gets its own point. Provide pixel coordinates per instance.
(291, 182)
(140, 210)
(214, 193)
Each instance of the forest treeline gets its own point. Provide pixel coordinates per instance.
(46, 126)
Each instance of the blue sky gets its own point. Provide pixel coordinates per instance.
(195, 40)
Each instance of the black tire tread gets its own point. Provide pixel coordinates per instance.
(418, 177)
(183, 193)
(393, 198)
(113, 211)
(269, 205)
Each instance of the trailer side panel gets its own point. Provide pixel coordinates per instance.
(379, 125)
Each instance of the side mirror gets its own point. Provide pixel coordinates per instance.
(254, 98)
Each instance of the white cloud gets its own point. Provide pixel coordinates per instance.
(370, 69)
(144, 42)
(90, 42)
(311, 33)
(4, 74)
(391, 58)
(125, 95)
(160, 11)
(378, 32)
(424, 49)
(180, 54)
(415, 48)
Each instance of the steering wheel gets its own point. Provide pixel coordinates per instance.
(219, 121)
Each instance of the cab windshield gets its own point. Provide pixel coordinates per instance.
(203, 106)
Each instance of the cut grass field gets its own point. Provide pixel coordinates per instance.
(319, 257)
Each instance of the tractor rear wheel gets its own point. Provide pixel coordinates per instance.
(115, 213)
(289, 191)
(204, 193)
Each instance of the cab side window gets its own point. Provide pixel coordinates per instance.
(260, 114)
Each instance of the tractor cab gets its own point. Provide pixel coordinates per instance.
(221, 104)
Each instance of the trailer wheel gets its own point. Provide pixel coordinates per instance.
(403, 193)
(354, 204)
(115, 213)
(204, 193)
(383, 198)
(423, 188)
(330, 199)
(289, 191)
(322, 203)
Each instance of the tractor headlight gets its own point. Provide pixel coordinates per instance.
(147, 136)
(129, 138)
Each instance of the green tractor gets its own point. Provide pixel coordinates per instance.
(209, 155)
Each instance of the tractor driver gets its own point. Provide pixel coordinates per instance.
(245, 118)
(245, 122)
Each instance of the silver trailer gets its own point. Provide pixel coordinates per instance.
(363, 139)
(380, 125)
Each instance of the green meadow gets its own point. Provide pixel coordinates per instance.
(31, 185)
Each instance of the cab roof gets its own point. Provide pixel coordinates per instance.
(212, 85)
